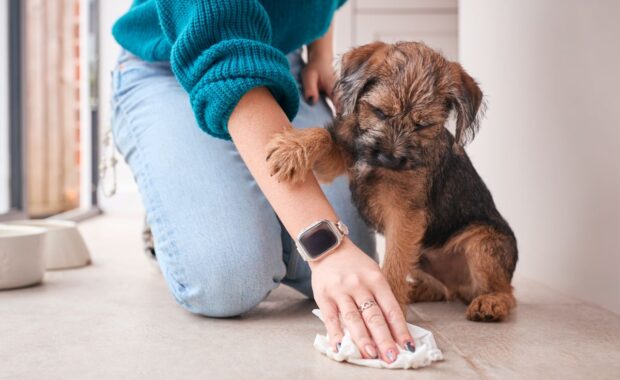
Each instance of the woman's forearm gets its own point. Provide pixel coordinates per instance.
(323, 48)
(252, 124)
(341, 281)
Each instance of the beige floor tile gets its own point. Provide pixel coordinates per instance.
(116, 319)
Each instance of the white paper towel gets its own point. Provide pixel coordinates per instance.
(426, 351)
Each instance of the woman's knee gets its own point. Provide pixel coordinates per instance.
(218, 298)
(226, 287)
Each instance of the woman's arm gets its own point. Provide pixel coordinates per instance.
(219, 51)
(252, 124)
(342, 280)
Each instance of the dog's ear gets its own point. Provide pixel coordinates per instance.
(355, 75)
(466, 99)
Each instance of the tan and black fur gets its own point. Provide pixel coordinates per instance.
(410, 177)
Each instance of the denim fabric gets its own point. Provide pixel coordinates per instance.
(220, 246)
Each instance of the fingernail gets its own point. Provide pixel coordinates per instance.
(410, 347)
(310, 99)
(371, 351)
(391, 355)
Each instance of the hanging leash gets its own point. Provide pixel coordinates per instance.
(107, 166)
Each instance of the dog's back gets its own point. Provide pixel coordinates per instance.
(458, 199)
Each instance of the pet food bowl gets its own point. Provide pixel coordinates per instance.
(63, 246)
(21, 256)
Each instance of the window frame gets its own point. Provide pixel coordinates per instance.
(15, 116)
(18, 208)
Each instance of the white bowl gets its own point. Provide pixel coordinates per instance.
(63, 246)
(21, 256)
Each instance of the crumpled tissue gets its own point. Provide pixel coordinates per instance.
(426, 350)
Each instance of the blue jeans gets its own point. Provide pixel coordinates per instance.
(220, 246)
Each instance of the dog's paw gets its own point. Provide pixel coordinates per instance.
(488, 308)
(287, 157)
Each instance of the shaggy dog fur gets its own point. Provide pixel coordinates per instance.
(410, 177)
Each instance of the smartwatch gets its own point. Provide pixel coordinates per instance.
(320, 239)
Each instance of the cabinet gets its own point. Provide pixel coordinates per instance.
(434, 22)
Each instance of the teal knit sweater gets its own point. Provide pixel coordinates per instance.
(220, 49)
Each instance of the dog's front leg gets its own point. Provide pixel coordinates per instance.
(293, 153)
(403, 236)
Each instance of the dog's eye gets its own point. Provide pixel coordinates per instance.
(379, 113)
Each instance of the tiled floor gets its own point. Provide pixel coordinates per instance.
(116, 320)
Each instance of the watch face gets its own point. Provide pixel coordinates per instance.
(318, 240)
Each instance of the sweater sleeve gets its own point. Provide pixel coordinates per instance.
(220, 50)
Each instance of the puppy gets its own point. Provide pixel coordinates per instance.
(410, 178)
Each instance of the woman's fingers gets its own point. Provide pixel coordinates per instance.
(377, 325)
(357, 328)
(329, 311)
(393, 315)
(310, 80)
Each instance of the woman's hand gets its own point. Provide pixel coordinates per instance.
(344, 280)
(318, 74)
(317, 77)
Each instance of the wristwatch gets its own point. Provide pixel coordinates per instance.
(320, 239)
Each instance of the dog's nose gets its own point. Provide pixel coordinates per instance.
(390, 161)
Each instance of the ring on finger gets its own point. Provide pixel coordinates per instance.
(366, 305)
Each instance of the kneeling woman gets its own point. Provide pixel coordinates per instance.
(199, 89)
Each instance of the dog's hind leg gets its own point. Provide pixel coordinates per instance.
(491, 258)
(426, 288)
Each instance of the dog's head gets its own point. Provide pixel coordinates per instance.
(393, 102)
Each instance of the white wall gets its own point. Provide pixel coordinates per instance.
(127, 199)
(4, 110)
(549, 148)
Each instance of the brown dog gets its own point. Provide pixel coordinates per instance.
(410, 177)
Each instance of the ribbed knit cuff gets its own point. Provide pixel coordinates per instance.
(234, 68)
